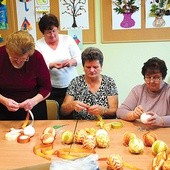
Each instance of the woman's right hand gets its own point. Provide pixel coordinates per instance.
(79, 106)
(11, 105)
(138, 111)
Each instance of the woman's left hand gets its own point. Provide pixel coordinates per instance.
(69, 63)
(155, 120)
(95, 110)
(27, 104)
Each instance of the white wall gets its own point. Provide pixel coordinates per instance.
(123, 61)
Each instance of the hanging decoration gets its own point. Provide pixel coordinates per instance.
(25, 4)
(26, 25)
(26, 16)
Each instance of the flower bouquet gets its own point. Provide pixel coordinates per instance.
(125, 6)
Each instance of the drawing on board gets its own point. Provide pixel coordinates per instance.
(73, 14)
(157, 13)
(3, 15)
(126, 14)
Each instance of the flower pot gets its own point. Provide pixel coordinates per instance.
(127, 21)
(159, 21)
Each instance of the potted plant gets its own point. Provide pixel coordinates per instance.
(127, 8)
(158, 9)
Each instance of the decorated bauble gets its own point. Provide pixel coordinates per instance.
(89, 142)
(67, 137)
(50, 130)
(136, 146)
(127, 137)
(48, 135)
(102, 140)
(149, 138)
(144, 118)
(101, 132)
(47, 138)
(114, 162)
(80, 135)
(159, 146)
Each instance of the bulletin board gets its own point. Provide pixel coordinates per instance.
(12, 21)
(88, 35)
(129, 35)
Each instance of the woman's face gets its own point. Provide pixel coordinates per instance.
(51, 36)
(18, 61)
(153, 81)
(92, 69)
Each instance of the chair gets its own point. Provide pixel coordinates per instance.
(52, 109)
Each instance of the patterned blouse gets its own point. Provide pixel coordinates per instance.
(80, 91)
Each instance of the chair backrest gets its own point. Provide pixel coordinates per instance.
(52, 109)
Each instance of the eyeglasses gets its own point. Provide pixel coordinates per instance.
(155, 79)
(48, 33)
(19, 59)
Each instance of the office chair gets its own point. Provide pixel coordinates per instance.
(52, 109)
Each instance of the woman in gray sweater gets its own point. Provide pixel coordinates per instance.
(152, 97)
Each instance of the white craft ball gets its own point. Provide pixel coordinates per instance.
(144, 118)
(29, 130)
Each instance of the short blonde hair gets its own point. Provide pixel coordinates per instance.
(20, 42)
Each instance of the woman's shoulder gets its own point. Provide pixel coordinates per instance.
(166, 87)
(79, 78)
(106, 78)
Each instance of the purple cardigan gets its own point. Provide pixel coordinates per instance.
(26, 82)
(158, 103)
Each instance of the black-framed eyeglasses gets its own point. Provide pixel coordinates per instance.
(156, 79)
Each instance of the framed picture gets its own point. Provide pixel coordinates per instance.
(131, 34)
(89, 35)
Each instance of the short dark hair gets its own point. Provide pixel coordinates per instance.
(47, 22)
(90, 54)
(153, 65)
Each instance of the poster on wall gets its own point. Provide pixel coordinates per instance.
(26, 16)
(157, 13)
(3, 15)
(126, 14)
(74, 14)
(77, 36)
(42, 7)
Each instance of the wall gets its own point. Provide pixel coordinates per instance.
(123, 61)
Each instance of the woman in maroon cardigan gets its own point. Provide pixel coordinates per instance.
(24, 78)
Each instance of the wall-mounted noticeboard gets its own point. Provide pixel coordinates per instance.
(129, 35)
(88, 35)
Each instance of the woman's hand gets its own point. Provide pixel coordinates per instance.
(155, 120)
(96, 110)
(69, 63)
(27, 104)
(79, 106)
(138, 111)
(11, 105)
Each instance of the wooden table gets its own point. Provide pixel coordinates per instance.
(14, 155)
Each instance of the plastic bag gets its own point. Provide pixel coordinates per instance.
(86, 163)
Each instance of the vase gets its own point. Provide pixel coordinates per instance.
(127, 21)
(159, 21)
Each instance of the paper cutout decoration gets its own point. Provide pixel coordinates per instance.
(76, 39)
(25, 4)
(26, 25)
